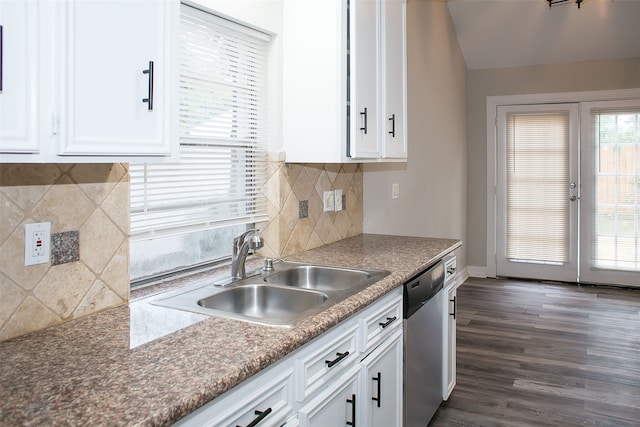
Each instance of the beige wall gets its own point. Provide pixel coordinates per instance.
(433, 182)
(571, 77)
(92, 199)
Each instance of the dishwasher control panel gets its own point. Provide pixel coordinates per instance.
(449, 268)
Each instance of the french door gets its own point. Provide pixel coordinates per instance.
(568, 192)
(537, 191)
(610, 203)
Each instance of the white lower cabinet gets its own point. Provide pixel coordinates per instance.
(381, 379)
(449, 356)
(336, 405)
(327, 382)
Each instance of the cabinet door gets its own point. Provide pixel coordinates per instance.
(382, 383)
(19, 88)
(336, 405)
(449, 358)
(363, 78)
(118, 53)
(394, 79)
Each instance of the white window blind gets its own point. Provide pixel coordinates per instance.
(221, 173)
(537, 178)
(616, 210)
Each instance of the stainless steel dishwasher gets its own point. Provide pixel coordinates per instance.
(423, 329)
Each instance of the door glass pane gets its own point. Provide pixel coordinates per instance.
(537, 190)
(617, 182)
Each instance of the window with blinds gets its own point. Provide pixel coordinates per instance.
(537, 151)
(187, 213)
(616, 209)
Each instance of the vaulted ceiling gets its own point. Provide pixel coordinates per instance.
(511, 33)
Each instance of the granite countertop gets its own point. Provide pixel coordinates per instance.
(138, 365)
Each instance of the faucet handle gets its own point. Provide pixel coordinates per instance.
(239, 240)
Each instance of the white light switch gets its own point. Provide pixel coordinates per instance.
(37, 242)
(328, 201)
(338, 199)
(395, 190)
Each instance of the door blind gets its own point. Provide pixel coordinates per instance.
(221, 173)
(537, 151)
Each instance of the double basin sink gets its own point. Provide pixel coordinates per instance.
(282, 297)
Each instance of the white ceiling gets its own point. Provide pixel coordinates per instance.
(511, 33)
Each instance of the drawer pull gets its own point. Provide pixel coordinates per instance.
(261, 415)
(352, 401)
(378, 379)
(389, 321)
(331, 363)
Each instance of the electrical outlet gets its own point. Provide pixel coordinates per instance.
(37, 242)
(328, 201)
(338, 200)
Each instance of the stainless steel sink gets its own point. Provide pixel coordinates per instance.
(323, 277)
(283, 297)
(263, 301)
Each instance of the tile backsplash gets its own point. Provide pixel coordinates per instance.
(88, 207)
(297, 221)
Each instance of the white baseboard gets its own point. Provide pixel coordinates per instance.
(480, 272)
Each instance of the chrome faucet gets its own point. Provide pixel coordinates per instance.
(248, 240)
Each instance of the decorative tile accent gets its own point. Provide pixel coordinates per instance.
(90, 198)
(303, 211)
(65, 247)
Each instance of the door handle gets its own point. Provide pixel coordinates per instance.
(378, 379)
(352, 401)
(393, 126)
(573, 186)
(364, 114)
(454, 307)
(149, 98)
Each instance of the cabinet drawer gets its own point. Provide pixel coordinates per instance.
(267, 397)
(381, 321)
(321, 363)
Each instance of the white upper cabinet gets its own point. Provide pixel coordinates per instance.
(339, 82)
(108, 79)
(394, 82)
(363, 74)
(19, 88)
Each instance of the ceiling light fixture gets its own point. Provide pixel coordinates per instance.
(556, 2)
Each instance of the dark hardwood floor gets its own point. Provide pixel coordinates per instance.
(545, 354)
